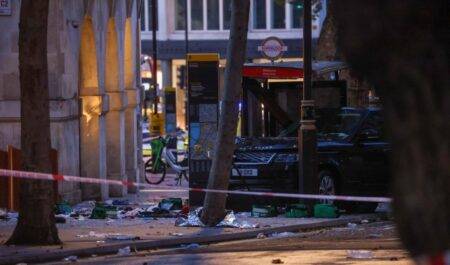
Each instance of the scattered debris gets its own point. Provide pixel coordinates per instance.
(103, 211)
(60, 219)
(13, 215)
(230, 220)
(365, 221)
(277, 261)
(71, 258)
(375, 235)
(359, 254)
(282, 234)
(244, 214)
(126, 251)
(176, 234)
(171, 204)
(261, 236)
(3, 215)
(109, 236)
(192, 246)
(120, 202)
(351, 225)
(122, 237)
(63, 208)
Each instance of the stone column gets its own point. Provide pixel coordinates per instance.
(132, 122)
(115, 118)
(93, 144)
(115, 142)
(131, 132)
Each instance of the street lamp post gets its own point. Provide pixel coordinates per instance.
(186, 29)
(155, 55)
(307, 144)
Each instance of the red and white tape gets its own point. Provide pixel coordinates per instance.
(55, 177)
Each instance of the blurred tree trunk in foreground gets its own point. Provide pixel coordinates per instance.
(36, 224)
(403, 49)
(326, 45)
(214, 205)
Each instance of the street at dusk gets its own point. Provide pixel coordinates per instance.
(224, 132)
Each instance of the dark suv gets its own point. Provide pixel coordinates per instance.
(352, 153)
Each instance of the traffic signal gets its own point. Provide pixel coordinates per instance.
(181, 76)
(297, 4)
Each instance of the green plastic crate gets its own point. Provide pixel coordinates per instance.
(102, 211)
(325, 211)
(296, 211)
(264, 211)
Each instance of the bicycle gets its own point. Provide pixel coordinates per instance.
(161, 158)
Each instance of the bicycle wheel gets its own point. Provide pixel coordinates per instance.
(154, 175)
(185, 176)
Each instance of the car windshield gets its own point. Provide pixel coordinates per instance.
(339, 127)
(330, 126)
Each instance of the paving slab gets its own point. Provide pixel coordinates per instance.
(83, 238)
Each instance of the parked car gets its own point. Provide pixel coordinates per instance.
(352, 158)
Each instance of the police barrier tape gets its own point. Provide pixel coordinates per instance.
(55, 177)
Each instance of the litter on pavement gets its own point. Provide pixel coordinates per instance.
(71, 258)
(230, 220)
(126, 251)
(359, 254)
(282, 234)
(191, 246)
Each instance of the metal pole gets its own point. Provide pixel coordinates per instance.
(186, 28)
(186, 43)
(308, 182)
(155, 55)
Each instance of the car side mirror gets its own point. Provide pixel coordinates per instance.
(368, 135)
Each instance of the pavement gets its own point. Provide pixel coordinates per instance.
(88, 237)
(369, 243)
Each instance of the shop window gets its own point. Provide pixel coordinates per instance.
(278, 14)
(150, 17)
(142, 19)
(297, 15)
(213, 14)
(180, 12)
(259, 14)
(226, 14)
(197, 14)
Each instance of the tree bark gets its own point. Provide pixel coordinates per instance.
(403, 49)
(36, 224)
(214, 204)
(326, 45)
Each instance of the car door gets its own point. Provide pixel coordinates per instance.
(374, 150)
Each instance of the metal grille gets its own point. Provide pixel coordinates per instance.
(253, 158)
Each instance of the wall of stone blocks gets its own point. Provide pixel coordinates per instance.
(66, 20)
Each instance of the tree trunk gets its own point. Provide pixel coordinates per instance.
(326, 45)
(403, 49)
(214, 205)
(36, 224)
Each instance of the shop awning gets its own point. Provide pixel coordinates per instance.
(289, 70)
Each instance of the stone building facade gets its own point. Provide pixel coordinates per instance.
(94, 86)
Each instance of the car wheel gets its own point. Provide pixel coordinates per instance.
(327, 185)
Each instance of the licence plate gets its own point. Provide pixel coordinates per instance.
(245, 172)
